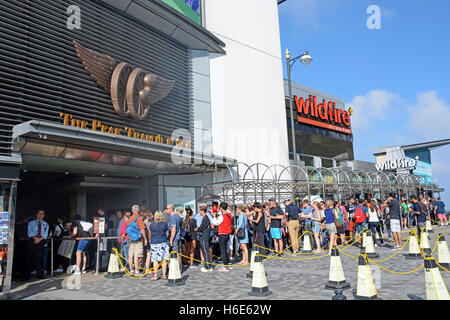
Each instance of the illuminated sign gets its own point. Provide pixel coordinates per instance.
(95, 125)
(324, 114)
(133, 91)
(403, 163)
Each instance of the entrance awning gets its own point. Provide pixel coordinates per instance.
(48, 146)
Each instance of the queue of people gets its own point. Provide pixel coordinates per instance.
(218, 234)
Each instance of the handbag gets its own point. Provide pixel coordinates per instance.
(66, 248)
(241, 233)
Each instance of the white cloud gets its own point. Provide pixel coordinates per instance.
(374, 105)
(429, 117)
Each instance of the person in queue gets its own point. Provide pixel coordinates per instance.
(223, 221)
(159, 245)
(242, 224)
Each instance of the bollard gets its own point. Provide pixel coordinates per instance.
(259, 280)
(443, 255)
(413, 251)
(336, 276)
(365, 287)
(113, 267)
(424, 242)
(174, 278)
(51, 257)
(370, 248)
(339, 295)
(428, 226)
(434, 284)
(97, 265)
(364, 241)
(255, 251)
(306, 244)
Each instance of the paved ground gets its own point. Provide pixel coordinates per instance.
(288, 280)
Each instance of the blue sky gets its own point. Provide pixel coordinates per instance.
(396, 78)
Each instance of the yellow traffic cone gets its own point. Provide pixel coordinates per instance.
(255, 251)
(424, 242)
(306, 244)
(370, 247)
(443, 255)
(174, 278)
(434, 284)
(365, 287)
(113, 267)
(428, 226)
(413, 251)
(259, 280)
(336, 277)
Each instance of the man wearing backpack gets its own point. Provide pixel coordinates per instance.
(137, 239)
(360, 216)
(81, 229)
(223, 222)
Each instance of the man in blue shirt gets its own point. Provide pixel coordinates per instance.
(37, 235)
(439, 210)
(420, 215)
(292, 223)
(175, 229)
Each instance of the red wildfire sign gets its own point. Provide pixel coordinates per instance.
(338, 120)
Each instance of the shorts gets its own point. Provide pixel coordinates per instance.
(276, 233)
(331, 228)
(159, 251)
(176, 245)
(395, 225)
(441, 216)
(136, 249)
(341, 230)
(316, 227)
(83, 245)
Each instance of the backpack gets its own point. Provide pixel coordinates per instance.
(87, 227)
(133, 231)
(360, 217)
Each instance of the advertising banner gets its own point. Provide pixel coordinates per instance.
(189, 8)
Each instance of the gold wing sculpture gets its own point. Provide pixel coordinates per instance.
(133, 91)
(100, 66)
(157, 88)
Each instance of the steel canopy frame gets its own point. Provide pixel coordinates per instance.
(259, 182)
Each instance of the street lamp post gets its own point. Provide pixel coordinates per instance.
(305, 59)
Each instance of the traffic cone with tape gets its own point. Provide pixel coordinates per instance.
(424, 242)
(174, 278)
(306, 244)
(443, 255)
(113, 267)
(364, 240)
(336, 277)
(428, 226)
(259, 280)
(255, 251)
(370, 247)
(434, 284)
(365, 287)
(413, 251)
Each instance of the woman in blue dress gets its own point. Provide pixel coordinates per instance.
(241, 224)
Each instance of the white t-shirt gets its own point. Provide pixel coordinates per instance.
(373, 216)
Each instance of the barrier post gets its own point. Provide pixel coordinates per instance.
(98, 255)
(51, 257)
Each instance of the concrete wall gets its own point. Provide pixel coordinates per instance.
(247, 96)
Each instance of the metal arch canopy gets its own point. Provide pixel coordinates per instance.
(305, 181)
